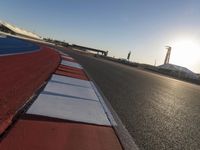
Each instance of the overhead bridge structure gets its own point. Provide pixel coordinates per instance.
(105, 53)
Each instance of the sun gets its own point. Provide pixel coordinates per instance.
(185, 52)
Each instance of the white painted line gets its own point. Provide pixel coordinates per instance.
(70, 80)
(10, 54)
(71, 64)
(67, 57)
(70, 90)
(69, 109)
(121, 131)
(109, 114)
(63, 54)
(3, 36)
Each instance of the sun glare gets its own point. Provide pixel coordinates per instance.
(185, 52)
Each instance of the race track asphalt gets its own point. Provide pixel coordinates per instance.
(160, 113)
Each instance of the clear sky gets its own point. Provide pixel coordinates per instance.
(144, 27)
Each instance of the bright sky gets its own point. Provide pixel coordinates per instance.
(144, 27)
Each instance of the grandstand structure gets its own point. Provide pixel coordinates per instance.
(175, 70)
(12, 29)
(178, 71)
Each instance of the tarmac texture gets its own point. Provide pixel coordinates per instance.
(160, 113)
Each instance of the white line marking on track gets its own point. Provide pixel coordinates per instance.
(109, 114)
(71, 64)
(69, 109)
(70, 90)
(67, 57)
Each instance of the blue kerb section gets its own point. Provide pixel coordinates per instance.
(11, 45)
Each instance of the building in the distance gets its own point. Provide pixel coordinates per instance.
(8, 28)
(178, 71)
(175, 70)
(168, 55)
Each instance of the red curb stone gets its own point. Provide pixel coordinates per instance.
(73, 75)
(70, 68)
(79, 72)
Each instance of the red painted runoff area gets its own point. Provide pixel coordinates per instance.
(20, 76)
(57, 135)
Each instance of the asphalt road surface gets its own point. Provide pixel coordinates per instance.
(160, 113)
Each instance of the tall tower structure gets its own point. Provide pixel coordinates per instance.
(168, 54)
(129, 54)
